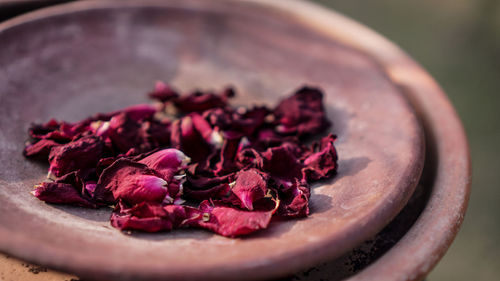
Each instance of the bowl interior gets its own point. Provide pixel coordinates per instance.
(88, 58)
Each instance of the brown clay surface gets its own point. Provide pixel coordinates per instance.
(84, 58)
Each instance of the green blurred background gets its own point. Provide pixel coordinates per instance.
(458, 42)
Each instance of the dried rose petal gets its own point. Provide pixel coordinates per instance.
(248, 121)
(167, 162)
(131, 181)
(274, 159)
(156, 133)
(199, 101)
(323, 163)
(228, 155)
(145, 216)
(61, 193)
(250, 186)
(294, 200)
(163, 92)
(126, 133)
(139, 112)
(302, 114)
(231, 222)
(83, 153)
(250, 158)
(219, 191)
(186, 137)
(40, 150)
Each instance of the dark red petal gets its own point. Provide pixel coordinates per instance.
(83, 153)
(163, 92)
(200, 101)
(231, 222)
(250, 186)
(281, 162)
(215, 192)
(227, 163)
(40, 150)
(61, 193)
(294, 200)
(139, 112)
(250, 158)
(302, 114)
(144, 216)
(126, 133)
(189, 140)
(131, 181)
(323, 163)
(157, 133)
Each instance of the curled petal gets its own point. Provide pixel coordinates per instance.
(167, 162)
(302, 114)
(83, 153)
(131, 181)
(231, 222)
(250, 186)
(61, 193)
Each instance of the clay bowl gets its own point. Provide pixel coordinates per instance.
(78, 59)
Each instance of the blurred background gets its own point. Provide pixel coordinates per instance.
(458, 42)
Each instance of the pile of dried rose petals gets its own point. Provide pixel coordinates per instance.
(189, 161)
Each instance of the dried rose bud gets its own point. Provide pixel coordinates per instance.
(134, 182)
(141, 188)
(167, 162)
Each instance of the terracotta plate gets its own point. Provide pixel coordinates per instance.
(78, 59)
